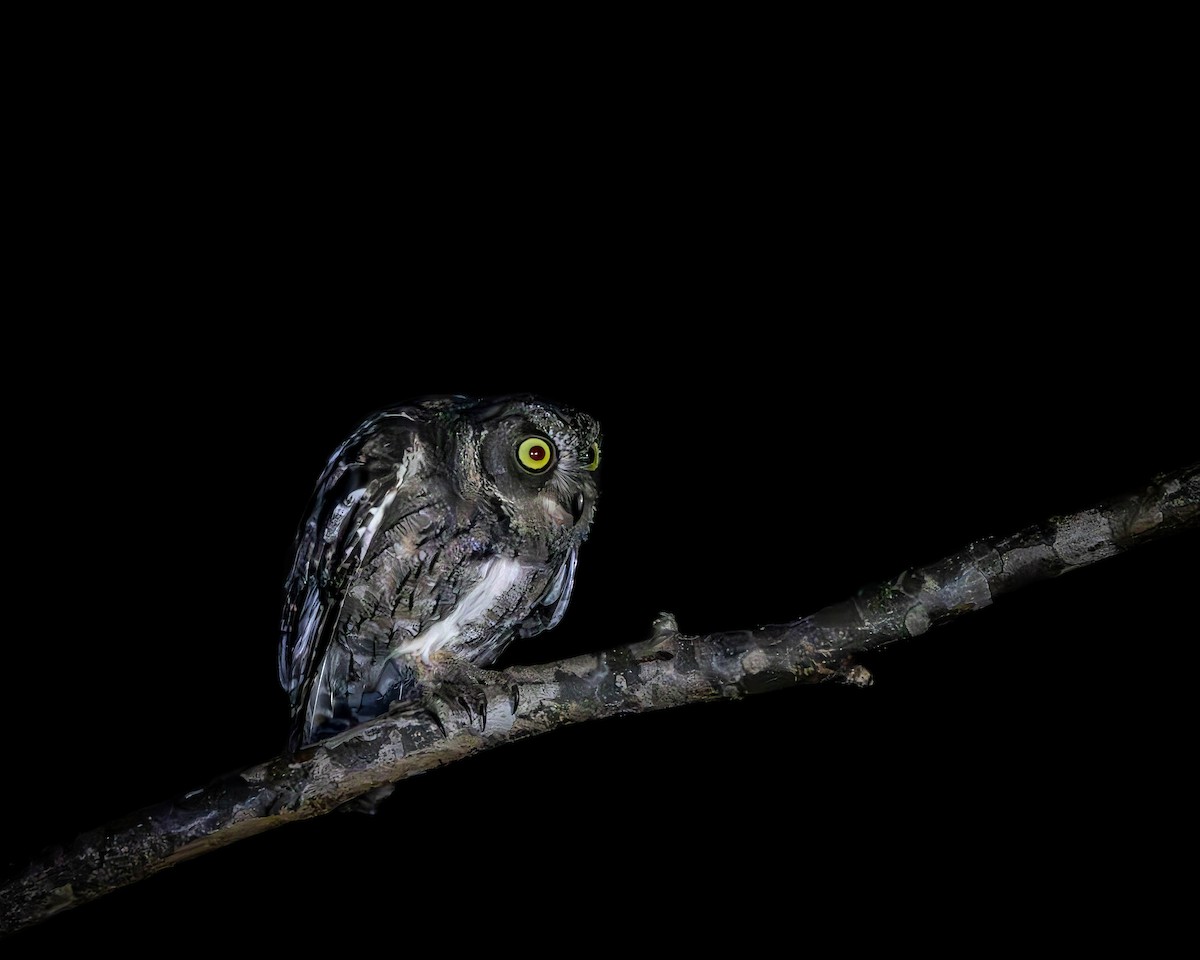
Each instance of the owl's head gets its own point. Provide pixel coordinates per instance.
(540, 460)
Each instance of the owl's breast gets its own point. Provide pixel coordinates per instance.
(415, 569)
(433, 583)
(480, 620)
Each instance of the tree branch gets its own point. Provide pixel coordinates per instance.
(483, 709)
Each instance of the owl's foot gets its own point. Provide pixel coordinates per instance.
(450, 703)
(453, 693)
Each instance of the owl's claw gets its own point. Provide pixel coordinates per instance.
(455, 689)
(474, 701)
(447, 702)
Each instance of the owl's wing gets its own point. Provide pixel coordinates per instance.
(550, 609)
(360, 481)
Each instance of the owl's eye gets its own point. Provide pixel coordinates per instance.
(591, 459)
(535, 453)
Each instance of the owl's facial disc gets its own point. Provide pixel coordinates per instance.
(538, 455)
(541, 464)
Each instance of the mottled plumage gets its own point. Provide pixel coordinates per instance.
(439, 529)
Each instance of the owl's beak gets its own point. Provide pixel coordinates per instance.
(577, 505)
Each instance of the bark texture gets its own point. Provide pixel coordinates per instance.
(479, 709)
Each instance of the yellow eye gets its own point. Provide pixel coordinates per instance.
(592, 460)
(535, 453)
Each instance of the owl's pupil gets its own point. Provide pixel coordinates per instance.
(537, 453)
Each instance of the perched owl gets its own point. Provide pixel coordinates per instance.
(439, 529)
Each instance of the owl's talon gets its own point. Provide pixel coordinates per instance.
(476, 711)
(446, 701)
(436, 717)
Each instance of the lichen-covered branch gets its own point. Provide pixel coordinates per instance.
(479, 709)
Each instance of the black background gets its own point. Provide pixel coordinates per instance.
(810, 376)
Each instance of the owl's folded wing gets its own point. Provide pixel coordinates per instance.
(552, 605)
(346, 510)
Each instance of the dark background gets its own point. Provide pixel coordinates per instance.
(813, 369)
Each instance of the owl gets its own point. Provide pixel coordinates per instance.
(439, 531)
